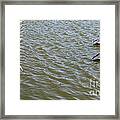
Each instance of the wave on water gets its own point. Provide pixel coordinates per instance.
(56, 60)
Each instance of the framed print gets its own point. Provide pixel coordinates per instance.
(60, 59)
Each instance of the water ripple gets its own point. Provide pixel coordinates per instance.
(55, 56)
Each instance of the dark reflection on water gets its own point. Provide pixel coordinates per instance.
(56, 59)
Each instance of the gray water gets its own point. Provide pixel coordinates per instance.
(56, 60)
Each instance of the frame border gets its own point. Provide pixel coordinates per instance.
(60, 2)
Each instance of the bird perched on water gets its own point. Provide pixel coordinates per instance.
(21, 69)
(96, 58)
(96, 43)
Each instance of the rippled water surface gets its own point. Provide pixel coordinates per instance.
(56, 60)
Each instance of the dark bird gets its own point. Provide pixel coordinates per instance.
(96, 58)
